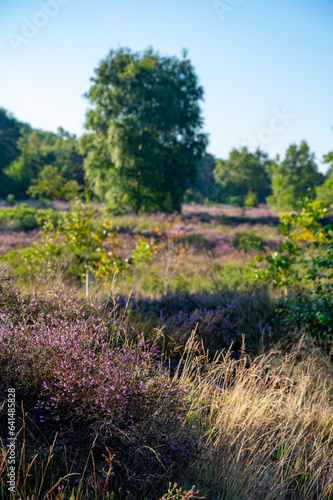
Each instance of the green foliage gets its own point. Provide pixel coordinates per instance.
(50, 183)
(325, 191)
(205, 189)
(75, 242)
(142, 253)
(251, 199)
(243, 173)
(23, 218)
(10, 131)
(11, 199)
(303, 267)
(248, 241)
(37, 153)
(144, 137)
(297, 175)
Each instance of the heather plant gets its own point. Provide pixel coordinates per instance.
(66, 369)
(219, 318)
(9, 240)
(63, 357)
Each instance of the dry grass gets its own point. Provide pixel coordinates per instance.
(268, 430)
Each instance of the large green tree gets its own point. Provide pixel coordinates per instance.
(243, 173)
(295, 176)
(144, 130)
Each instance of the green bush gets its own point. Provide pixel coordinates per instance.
(248, 241)
(303, 269)
(76, 241)
(23, 218)
(251, 199)
(11, 199)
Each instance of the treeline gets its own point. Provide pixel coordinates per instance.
(247, 179)
(38, 164)
(50, 166)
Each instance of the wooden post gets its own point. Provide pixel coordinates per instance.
(87, 283)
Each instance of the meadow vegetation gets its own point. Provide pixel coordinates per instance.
(198, 367)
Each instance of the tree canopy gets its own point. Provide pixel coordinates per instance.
(325, 191)
(144, 130)
(205, 187)
(295, 176)
(26, 152)
(243, 173)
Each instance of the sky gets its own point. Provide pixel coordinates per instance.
(265, 65)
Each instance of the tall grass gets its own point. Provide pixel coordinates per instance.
(268, 429)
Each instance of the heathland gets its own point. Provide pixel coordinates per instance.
(199, 353)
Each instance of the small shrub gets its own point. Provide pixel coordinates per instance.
(251, 200)
(23, 218)
(11, 199)
(248, 241)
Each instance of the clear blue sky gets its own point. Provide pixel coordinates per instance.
(266, 65)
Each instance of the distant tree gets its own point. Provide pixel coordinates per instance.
(243, 174)
(144, 139)
(10, 131)
(295, 176)
(325, 191)
(205, 187)
(37, 149)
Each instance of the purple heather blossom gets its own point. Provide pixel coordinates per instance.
(68, 354)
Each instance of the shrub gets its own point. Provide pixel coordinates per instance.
(23, 218)
(11, 199)
(248, 241)
(251, 199)
(303, 268)
(74, 379)
(76, 240)
(219, 318)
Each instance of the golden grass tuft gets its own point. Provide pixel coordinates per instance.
(267, 424)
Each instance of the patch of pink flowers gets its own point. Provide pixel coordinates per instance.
(9, 240)
(61, 356)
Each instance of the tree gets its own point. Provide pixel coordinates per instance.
(143, 140)
(36, 150)
(325, 191)
(297, 175)
(10, 131)
(243, 174)
(205, 187)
